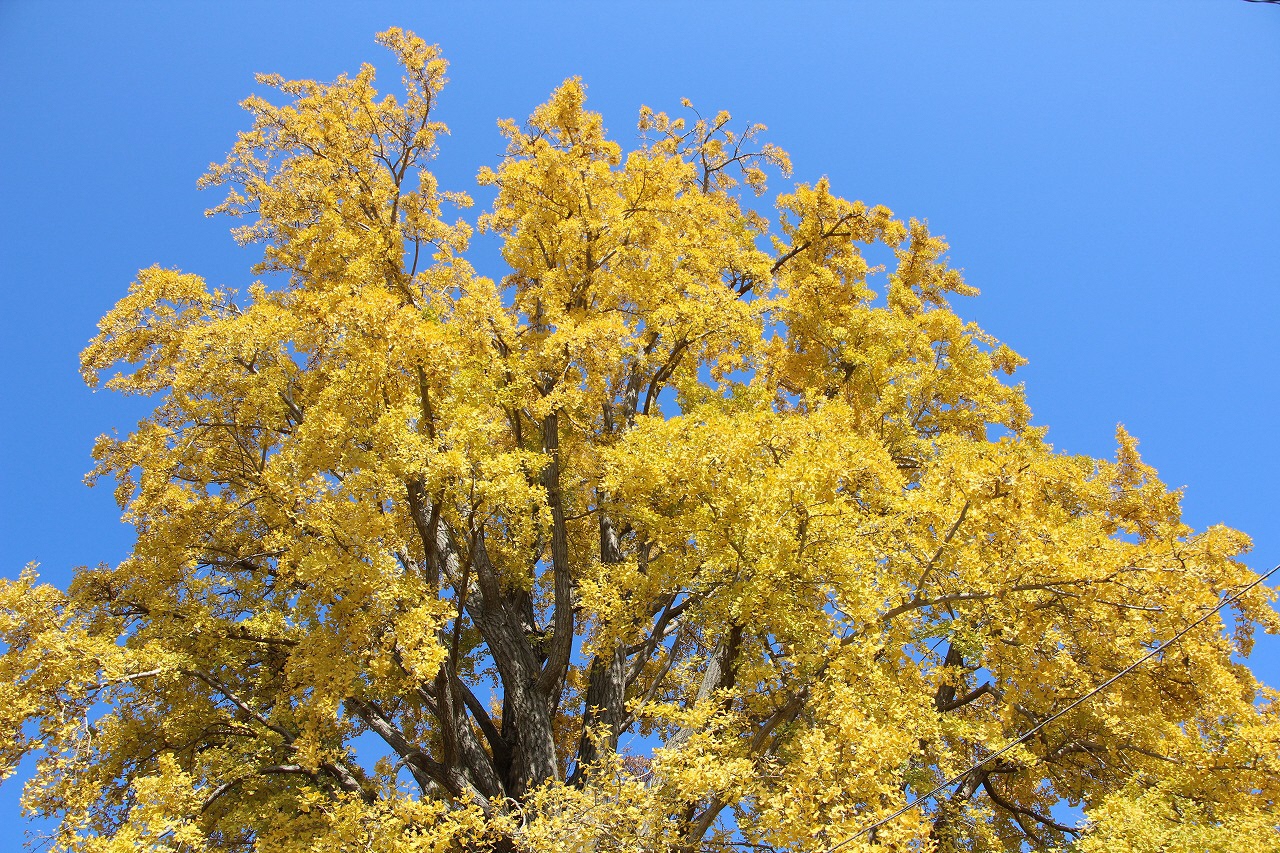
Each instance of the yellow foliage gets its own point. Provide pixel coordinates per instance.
(689, 533)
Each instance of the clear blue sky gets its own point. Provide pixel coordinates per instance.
(1107, 173)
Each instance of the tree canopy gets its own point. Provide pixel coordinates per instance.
(693, 532)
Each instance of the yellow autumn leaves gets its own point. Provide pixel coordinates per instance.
(688, 532)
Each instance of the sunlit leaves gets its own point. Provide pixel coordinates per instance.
(686, 532)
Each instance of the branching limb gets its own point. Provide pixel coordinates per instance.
(1020, 812)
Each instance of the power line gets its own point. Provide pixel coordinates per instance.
(1077, 703)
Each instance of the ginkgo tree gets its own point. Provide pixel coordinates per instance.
(691, 532)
